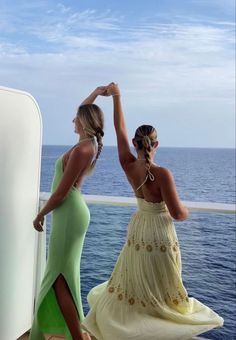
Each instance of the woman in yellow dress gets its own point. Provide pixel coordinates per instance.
(145, 298)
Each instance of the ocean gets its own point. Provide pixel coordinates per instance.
(207, 240)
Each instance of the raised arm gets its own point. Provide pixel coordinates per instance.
(125, 154)
(99, 91)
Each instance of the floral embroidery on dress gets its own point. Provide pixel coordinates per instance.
(131, 301)
(163, 248)
(149, 247)
(111, 289)
(120, 297)
(168, 246)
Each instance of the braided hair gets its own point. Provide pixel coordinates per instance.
(99, 134)
(92, 119)
(146, 136)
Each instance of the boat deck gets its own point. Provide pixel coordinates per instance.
(59, 337)
(47, 337)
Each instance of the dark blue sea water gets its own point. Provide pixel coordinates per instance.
(207, 240)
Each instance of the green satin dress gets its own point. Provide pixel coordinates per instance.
(70, 221)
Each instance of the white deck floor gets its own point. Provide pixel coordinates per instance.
(47, 337)
(60, 337)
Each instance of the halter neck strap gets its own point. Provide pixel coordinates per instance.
(84, 140)
(148, 176)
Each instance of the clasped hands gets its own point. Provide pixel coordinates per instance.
(109, 90)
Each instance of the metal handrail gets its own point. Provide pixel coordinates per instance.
(208, 207)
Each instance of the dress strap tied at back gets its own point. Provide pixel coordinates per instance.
(148, 176)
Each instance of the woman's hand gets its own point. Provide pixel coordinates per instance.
(99, 91)
(38, 223)
(113, 89)
(102, 91)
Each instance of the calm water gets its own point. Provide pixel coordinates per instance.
(207, 240)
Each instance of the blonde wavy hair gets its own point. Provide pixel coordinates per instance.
(92, 120)
(145, 137)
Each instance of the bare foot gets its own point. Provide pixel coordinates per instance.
(86, 336)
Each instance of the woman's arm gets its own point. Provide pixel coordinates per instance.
(170, 195)
(99, 91)
(79, 160)
(125, 154)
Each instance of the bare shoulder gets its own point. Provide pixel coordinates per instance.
(127, 165)
(84, 151)
(164, 174)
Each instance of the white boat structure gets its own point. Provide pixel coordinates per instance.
(22, 250)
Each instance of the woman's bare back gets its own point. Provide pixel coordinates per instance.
(90, 148)
(145, 184)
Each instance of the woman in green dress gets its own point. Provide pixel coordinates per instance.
(145, 298)
(59, 307)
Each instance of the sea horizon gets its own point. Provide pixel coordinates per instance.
(167, 147)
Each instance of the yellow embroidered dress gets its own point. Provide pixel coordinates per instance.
(144, 298)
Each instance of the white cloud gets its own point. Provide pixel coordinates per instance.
(169, 67)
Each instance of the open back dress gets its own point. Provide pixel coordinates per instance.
(70, 221)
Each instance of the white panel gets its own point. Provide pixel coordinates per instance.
(20, 159)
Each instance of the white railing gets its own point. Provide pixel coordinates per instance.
(208, 207)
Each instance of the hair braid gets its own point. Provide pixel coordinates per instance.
(99, 135)
(92, 119)
(146, 136)
(147, 148)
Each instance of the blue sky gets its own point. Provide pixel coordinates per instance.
(173, 60)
